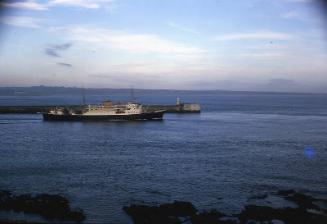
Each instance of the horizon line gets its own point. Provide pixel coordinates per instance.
(189, 90)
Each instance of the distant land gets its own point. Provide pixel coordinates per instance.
(59, 90)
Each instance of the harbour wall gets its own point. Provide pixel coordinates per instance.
(178, 108)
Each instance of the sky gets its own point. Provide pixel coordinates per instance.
(259, 45)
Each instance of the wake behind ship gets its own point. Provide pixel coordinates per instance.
(107, 111)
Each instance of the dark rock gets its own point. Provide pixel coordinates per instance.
(52, 207)
(179, 208)
(299, 215)
(163, 214)
(142, 214)
(285, 192)
(306, 212)
(6, 221)
(287, 215)
(211, 217)
(173, 213)
(303, 201)
(262, 196)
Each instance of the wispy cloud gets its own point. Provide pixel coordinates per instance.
(290, 14)
(261, 35)
(20, 21)
(300, 1)
(90, 4)
(63, 64)
(29, 4)
(182, 28)
(134, 43)
(53, 50)
(35, 5)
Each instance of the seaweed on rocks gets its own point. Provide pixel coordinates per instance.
(51, 207)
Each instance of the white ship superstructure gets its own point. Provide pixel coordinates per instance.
(107, 108)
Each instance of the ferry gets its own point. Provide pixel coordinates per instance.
(107, 111)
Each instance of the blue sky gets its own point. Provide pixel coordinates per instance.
(277, 45)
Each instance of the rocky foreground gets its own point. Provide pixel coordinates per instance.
(307, 210)
(49, 207)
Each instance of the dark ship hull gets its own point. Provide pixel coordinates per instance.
(157, 115)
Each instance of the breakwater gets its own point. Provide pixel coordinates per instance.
(178, 108)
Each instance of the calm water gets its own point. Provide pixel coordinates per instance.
(241, 145)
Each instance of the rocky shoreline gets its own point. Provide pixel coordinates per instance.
(307, 210)
(49, 207)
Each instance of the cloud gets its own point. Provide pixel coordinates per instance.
(182, 28)
(290, 14)
(29, 4)
(90, 4)
(122, 40)
(62, 46)
(284, 85)
(52, 50)
(123, 80)
(281, 81)
(261, 35)
(20, 21)
(300, 1)
(34, 5)
(65, 64)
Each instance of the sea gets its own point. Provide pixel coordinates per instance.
(242, 144)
